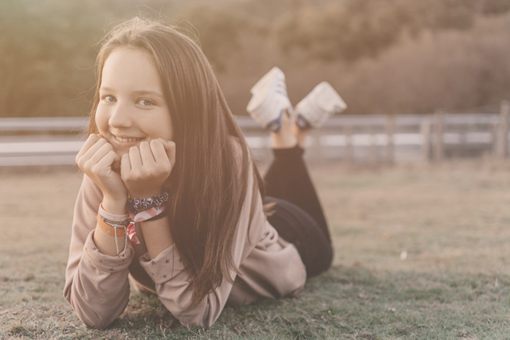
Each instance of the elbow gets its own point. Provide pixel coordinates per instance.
(93, 316)
(97, 324)
(94, 321)
(194, 323)
(202, 315)
(200, 319)
(292, 283)
(90, 318)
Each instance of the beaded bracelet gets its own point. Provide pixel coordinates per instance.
(136, 205)
(118, 225)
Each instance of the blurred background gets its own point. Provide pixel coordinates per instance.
(384, 56)
(403, 67)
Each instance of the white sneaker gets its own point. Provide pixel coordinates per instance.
(322, 102)
(269, 100)
(275, 76)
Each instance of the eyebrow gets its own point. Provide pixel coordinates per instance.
(105, 88)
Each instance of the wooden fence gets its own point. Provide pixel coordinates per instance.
(366, 138)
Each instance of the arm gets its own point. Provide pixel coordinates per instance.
(157, 236)
(96, 284)
(172, 279)
(143, 171)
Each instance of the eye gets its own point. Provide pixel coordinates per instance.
(108, 98)
(146, 102)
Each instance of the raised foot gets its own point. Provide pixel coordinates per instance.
(289, 134)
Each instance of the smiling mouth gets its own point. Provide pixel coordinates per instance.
(122, 140)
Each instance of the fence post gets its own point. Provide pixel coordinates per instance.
(348, 144)
(426, 135)
(373, 143)
(438, 136)
(503, 130)
(495, 139)
(390, 135)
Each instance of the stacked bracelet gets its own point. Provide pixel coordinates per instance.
(114, 225)
(112, 217)
(136, 205)
(140, 210)
(112, 228)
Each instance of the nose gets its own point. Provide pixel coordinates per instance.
(119, 117)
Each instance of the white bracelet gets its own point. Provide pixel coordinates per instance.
(112, 217)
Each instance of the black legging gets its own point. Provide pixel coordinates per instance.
(298, 216)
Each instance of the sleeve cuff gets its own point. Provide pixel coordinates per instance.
(163, 267)
(107, 263)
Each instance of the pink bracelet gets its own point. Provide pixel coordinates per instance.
(141, 217)
(146, 214)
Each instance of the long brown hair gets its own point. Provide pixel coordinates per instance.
(207, 184)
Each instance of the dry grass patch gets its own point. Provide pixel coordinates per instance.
(421, 252)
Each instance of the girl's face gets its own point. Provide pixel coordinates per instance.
(131, 104)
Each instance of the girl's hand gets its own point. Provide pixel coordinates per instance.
(146, 167)
(95, 159)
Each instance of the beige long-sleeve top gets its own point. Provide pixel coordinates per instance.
(97, 285)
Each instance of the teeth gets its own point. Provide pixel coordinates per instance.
(121, 139)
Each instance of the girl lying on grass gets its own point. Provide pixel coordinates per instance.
(171, 202)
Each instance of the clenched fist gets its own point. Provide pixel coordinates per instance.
(146, 167)
(96, 159)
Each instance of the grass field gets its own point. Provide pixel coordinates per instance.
(421, 252)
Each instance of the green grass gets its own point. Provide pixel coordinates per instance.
(451, 219)
(352, 303)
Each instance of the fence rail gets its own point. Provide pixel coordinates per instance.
(367, 138)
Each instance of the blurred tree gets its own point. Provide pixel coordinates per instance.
(493, 7)
(355, 29)
(218, 32)
(48, 47)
